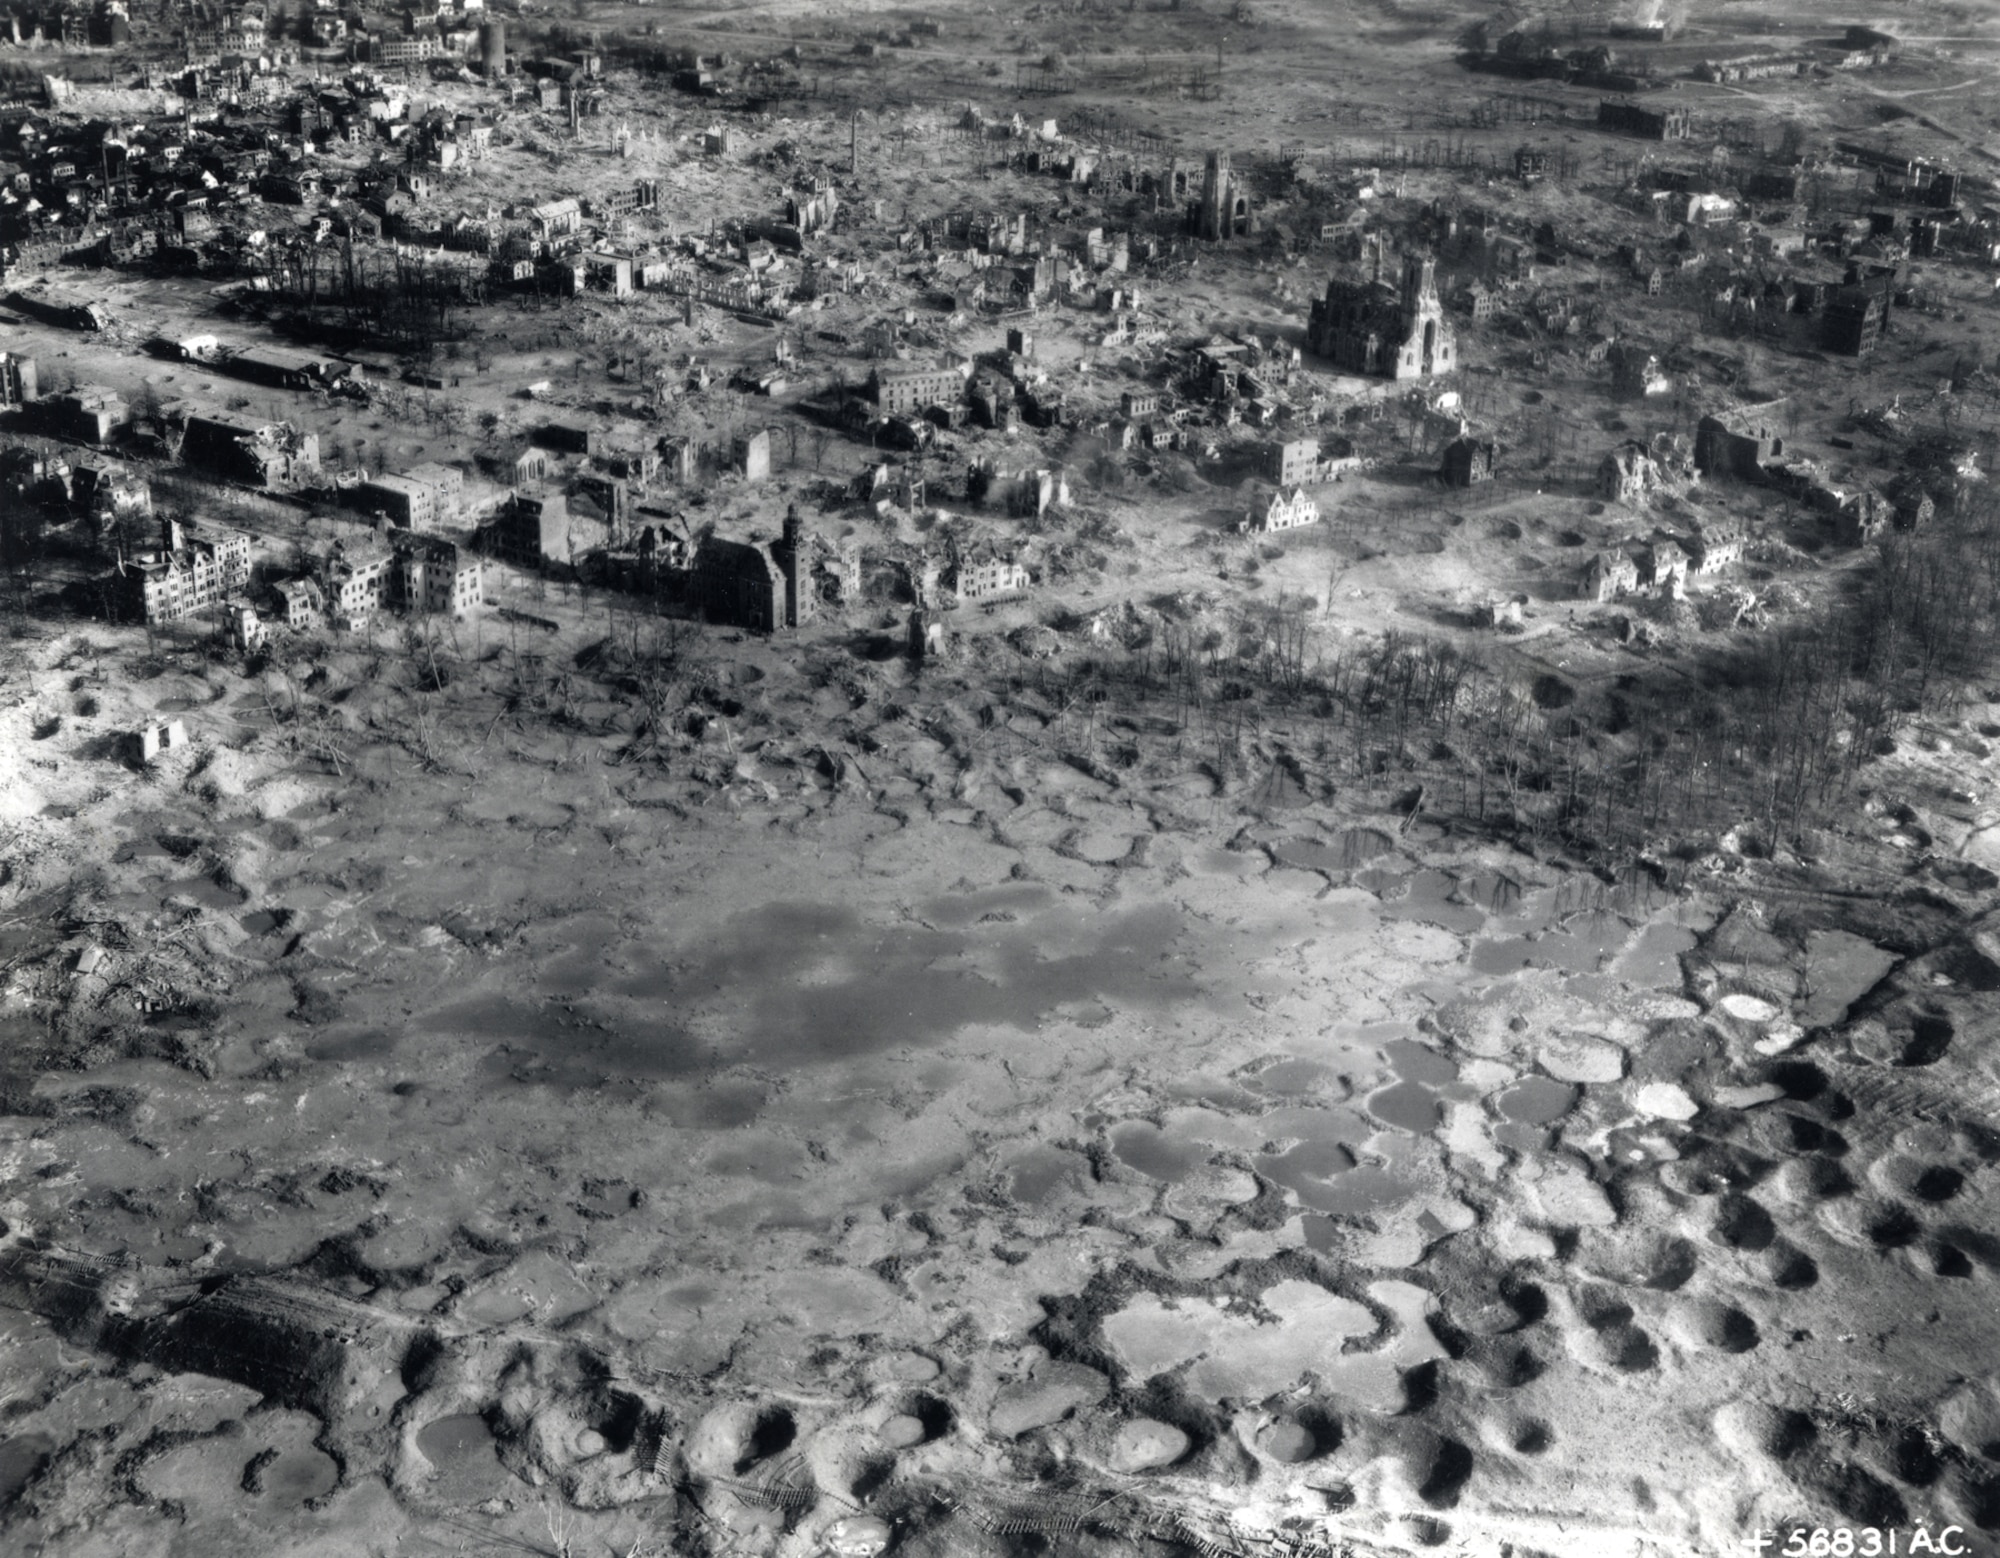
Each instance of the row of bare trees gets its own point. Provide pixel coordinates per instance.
(1772, 731)
(388, 292)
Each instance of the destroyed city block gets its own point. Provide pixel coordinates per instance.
(1090, 779)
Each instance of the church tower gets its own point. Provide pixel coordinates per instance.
(1429, 345)
(1224, 210)
(1210, 223)
(795, 558)
(1420, 292)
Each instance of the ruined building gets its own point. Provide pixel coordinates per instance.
(301, 603)
(89, 414)
(1608, 575)
(1285, 509)
(432, 576)
(28, 476)
(1854, 320)
(530, 529)
(1467, 461)
(812, 206)
(1288, 462)
(1713, 547)
(1857, 517)
(356, 580)
(982, 573)
(1032, 493)
(1739, 441)
(926, 636)
(750, 453)
(185, 575)
(606, 498)
(1914, 506)
(1634, 471)
(111, 495)
(259, 454)
(1652, 124)
(1372, 327)
(18, 380)
(1663, 566)
(1627, 474)
(759, 584)
(1223, 211)
(905, 387)
(1637, 372)
(406, 503)
(60, 308)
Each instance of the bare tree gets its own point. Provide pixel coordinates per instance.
(562, 1529)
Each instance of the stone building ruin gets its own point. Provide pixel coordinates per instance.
(1395, 332)
(1223, 209)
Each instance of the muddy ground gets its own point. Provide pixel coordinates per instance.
(425, 1106)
